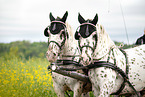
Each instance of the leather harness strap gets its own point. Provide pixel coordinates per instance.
(100, 64)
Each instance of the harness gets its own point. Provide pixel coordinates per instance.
(110, 65)
(66, 71)
(65, 35)
(92, 48)
(58, 68)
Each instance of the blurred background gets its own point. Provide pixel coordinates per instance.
(23, 65)
(27, 19)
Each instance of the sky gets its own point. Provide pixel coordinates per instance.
(27, 19)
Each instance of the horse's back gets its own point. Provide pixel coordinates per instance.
(136, 51)
(136, 60)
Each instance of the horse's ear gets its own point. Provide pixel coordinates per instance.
(81, 19)
(64, 17)
(51, 17)
(95, 20)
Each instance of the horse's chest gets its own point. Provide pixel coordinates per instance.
(58, 78)
(99, 75)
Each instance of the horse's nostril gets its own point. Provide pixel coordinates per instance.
(54, 54)
(46, 53)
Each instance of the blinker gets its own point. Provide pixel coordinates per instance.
(55, 30)
(46, 32)
(85, 33)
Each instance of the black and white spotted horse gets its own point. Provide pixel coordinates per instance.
(96, 46)
(63, 46)
(141, 41)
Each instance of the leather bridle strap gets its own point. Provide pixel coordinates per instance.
(55, 43)
(64, 25)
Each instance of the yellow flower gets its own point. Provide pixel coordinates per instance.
(35, 89)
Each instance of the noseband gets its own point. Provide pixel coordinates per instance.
(65, 36)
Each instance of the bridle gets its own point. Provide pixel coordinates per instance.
(88, 46)
(97, 63)
(65, 35)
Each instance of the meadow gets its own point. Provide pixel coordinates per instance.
(25, 78)
(23, 70)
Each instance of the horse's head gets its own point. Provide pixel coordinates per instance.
(86, 34)
(57, 35)
(94, 42)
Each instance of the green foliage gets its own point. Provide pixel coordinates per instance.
(25, 78)
(26, 49)
(24, 72)
(23, 49)
(122, 45)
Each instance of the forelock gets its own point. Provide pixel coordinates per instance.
(58, 18)
(89, 20)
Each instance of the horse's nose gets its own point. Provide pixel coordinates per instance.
(54, 54)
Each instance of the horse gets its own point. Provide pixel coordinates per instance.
(96, 46)
(63, 46)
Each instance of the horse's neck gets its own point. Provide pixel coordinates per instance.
(70, 46)
(108, 51)
(104, 45)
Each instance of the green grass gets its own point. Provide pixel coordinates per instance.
(28, 78)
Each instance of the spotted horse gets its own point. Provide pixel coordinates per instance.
(62, 46)
(97, 48)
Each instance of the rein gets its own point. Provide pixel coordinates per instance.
(59, 66)
(96, 65)
(92, 66)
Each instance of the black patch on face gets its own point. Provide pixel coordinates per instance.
(86, 30)
(55, 28)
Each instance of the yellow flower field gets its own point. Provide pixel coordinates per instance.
(25, 78)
